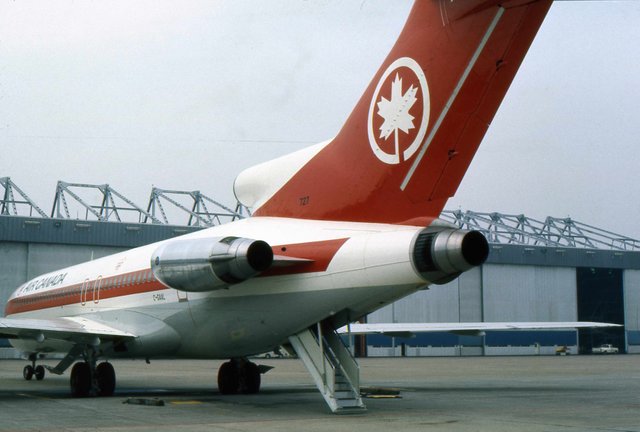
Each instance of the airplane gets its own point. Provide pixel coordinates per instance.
(339, 230)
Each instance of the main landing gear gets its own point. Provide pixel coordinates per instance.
(239, 375)
(32, 370)
(87, 379)
(91, 379)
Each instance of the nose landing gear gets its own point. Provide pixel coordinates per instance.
(32, 370)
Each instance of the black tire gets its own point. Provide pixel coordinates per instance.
(39, 372)
(228, 378)
(27, 372)
(250, 378)
(80, 380)
(106, 378)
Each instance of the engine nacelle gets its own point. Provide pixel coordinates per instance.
(208, 264)
(440, 256)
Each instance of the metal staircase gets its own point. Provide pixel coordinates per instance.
(332, 367)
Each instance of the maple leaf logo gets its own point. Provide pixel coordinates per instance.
(395, 111)
(392, 116)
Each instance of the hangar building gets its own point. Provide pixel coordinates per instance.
(556, 270)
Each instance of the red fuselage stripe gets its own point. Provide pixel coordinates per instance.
(93, 291)
(87, 292)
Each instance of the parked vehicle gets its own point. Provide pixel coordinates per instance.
(605, 349)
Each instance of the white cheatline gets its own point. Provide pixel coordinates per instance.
(453, 96)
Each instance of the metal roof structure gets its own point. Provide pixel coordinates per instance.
(502, 228)
(199, 213)
(9, 204)
(112, 206)
(106, 211)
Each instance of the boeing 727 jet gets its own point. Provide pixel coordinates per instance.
(339, 229)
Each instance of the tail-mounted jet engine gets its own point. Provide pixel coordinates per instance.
(440, 256)
(209, 264)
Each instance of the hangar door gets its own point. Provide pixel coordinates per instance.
(600, 298)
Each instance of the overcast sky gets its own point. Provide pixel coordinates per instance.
(185, 95)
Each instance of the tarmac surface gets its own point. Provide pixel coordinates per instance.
(573, 393)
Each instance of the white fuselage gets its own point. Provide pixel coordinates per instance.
(371, 267)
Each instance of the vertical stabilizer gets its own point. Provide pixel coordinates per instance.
(408, 142)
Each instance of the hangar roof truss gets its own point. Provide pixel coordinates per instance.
(9, 204)
(195, 207)
(553, 232)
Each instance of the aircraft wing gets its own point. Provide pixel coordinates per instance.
(74, 329)
(468, 328)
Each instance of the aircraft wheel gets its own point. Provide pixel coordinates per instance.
(39, 372)
(228, 378)
(249, 378)
(106, 378)
(80, 379)
(27, 372)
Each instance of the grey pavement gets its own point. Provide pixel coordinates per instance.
(574, 393)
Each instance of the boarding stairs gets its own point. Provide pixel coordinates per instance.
(333, 368)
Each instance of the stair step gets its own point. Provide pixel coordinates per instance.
(349, 403)
(342, 395)
(322, 357)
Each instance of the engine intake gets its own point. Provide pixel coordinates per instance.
(441, 256)
(208, 264)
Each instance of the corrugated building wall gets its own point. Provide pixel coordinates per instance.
(528, 293)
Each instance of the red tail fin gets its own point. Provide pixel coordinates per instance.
(407, 144)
